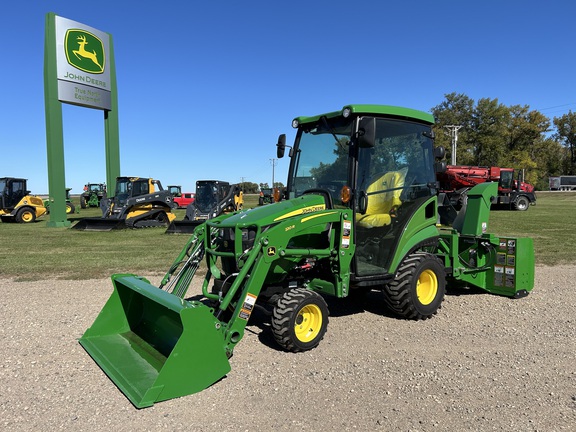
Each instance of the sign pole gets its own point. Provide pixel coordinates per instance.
(54, 133)
(111, 131)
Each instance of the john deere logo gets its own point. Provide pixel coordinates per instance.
(84, 51)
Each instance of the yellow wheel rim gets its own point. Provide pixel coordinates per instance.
(427, 287)
(308, 323)
(27, 217)
(68, 209)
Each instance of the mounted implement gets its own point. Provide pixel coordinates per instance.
(361, 214)
(212, 198)
(16, 203)
(137, 203)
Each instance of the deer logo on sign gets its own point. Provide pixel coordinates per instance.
(84, 51)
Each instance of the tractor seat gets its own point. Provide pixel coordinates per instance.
(383, 198)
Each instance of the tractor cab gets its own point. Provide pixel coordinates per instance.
(130, 187)
(16, 203)
(209, 193)
(380, 167)
(13, 190)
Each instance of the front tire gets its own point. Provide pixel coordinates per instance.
(300, 320)
(25, 215)
(418, 290)
(522, 203)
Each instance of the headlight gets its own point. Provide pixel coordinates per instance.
(295, 123)
(346, 112)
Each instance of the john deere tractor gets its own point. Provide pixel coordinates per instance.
(70, 207)
(362, 213)
(92, 195)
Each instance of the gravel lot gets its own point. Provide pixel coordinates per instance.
(483, 363)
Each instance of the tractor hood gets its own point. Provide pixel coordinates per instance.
(277, 212)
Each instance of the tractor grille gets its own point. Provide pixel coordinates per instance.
(226, 239)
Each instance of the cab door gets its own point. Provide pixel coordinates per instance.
(393, 180)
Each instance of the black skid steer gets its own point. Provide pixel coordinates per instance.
(213, 198)
(137, 203)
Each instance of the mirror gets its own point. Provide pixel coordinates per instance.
(281, 146)
(440, 167)
(367, 132)
(439, 152)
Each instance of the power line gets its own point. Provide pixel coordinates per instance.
(557, 106)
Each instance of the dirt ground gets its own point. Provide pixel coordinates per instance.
(483, 363)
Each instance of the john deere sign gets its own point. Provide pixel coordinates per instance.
(78, 69)
(82, 55)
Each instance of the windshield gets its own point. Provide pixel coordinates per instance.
(206, 194)
(506, 178)
(321, 159)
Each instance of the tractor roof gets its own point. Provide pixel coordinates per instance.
(377, 110)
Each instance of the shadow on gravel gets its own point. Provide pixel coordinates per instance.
(356, 303)
(359, 301)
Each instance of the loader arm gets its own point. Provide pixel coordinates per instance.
(273, 249)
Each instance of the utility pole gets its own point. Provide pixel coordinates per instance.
(242, 181)
(273, 162)
(454, 135)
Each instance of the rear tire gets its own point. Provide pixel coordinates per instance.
(419, 288)
(82, 202)
(299, 320)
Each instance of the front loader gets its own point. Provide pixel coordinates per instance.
(137, 203)
(362, 213)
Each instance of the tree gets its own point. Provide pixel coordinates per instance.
(456, 110)
(489, 133)
(515, 137)
(566, 134)
(249, 187)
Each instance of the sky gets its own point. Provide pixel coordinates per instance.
(206, 87)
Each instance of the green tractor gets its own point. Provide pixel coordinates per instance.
(92, 195)
(70, 207)
(362, 212)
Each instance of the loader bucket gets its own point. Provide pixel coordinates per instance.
(99, 224)
(155, 346)
(183, 226)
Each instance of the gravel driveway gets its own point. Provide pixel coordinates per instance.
(483, 363)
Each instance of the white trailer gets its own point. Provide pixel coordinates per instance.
(562, 183)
